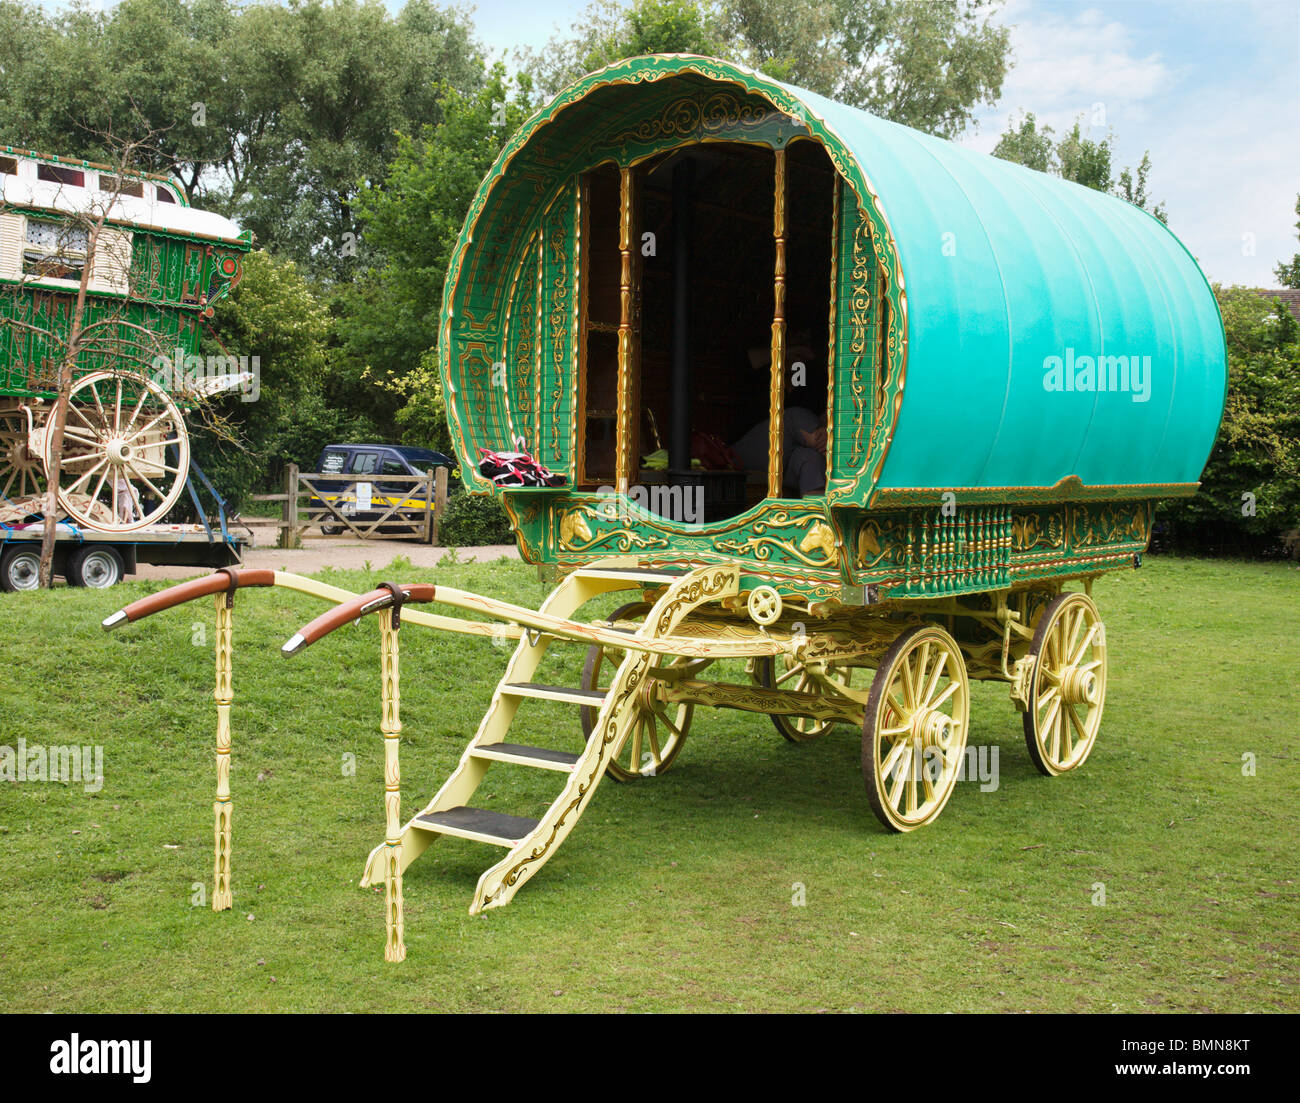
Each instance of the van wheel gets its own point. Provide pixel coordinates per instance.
(20, 569)
(95, 566)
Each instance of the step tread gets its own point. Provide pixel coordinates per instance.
(527, 689)
(521, 750)
(481, 821)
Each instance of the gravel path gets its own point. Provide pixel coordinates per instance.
(345, 553)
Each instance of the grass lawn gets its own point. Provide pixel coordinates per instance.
(673, 893)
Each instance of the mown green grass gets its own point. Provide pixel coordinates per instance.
(672, 893)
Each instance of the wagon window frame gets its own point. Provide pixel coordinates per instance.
(74, 259)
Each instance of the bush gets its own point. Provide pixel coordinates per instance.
(472, 520)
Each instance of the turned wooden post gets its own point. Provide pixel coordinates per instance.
(776, 426)
(223, 694)
(391, 726)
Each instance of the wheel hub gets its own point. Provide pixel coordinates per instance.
(932, 728)
(119, 451)
(1079, 687)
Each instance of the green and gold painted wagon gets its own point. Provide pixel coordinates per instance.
(1002, 373)
(156, 268)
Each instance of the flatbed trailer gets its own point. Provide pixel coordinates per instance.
(101, 559)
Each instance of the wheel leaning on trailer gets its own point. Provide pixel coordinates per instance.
(126, 452)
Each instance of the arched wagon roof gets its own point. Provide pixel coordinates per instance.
(1001, 271)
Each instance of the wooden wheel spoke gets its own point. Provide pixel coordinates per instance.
(900, 778)
(634, 759)
(135, 471)
(145, 428)
(75, 409)
(890, 762)
(953, 687)
(95, 497)
(798, 670)
(87, 475)
(652, 730)
(926, 782)
(1079, 651)
(933, 681)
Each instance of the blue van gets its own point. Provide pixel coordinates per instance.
(369, 463)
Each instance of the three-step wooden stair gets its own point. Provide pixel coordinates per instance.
(531, 842)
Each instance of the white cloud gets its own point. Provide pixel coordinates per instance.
(1224, 140)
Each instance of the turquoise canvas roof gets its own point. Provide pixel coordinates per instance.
(1005, 269)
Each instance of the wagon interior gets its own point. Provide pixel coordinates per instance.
(716, 202)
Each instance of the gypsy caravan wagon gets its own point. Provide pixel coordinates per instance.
(158, 269)
(968, 382)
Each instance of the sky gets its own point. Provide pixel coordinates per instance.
(1210, 87)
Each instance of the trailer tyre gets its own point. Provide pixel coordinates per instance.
(95, 566)
(20, 569)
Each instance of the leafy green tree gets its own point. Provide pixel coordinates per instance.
(608, 31)
(388, 318)
(275, 316)
(273, 114)
(927, 65)
(1076, 157)
(1250, 491)
(1288, 272)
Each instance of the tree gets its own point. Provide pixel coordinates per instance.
(270, 114)
(926, 65)
(275, 319)
(388, 319)
(1288, 272)
(1250, 490)
(608, 31)
(1076, 157)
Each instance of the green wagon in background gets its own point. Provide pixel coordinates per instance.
(157, 269)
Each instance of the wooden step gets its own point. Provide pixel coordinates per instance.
(477, 824)
(542, 757)
(568, 694)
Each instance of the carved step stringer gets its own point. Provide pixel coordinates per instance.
(614, 721)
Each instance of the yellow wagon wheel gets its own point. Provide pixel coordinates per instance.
(915, 727)
(659, 728)
(22, 478)
(1068, 688)
(794, 676)
(126, 452)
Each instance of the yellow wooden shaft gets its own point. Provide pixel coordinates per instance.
(776, 427)
(391, 726)
(223, 694)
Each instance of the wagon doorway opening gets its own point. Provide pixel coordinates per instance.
(710, 263)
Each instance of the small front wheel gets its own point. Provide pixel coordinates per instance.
(1069, 684)
(915, 727)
